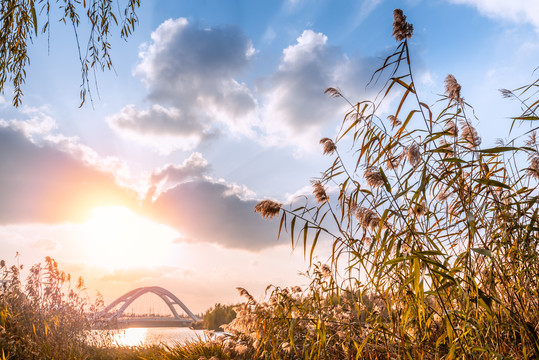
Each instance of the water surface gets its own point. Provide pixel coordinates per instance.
(151, 336)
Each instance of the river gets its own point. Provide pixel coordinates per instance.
(150, 336)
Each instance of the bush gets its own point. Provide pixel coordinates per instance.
(44, 319)
(439, 237)
(218, 315)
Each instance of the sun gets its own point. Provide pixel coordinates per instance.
(116, 237)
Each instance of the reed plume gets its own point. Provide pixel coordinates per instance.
(401, 29)
(470, 136)
(374, 177)
(329, 146)
(413, 154)
(268, 209)
(394, 121)
(367, 218)
(533, 170)
(320, 192)
(452, 88)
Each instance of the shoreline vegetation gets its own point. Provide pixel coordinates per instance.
(438, 239)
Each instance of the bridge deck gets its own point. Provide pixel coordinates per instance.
(151, 322)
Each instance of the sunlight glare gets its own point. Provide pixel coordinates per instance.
(131, 337)
(117, 237)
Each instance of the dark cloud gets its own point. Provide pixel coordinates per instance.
(42, 184)
(216, 213)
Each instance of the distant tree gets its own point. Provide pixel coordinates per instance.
(218, 315)
(22, 20)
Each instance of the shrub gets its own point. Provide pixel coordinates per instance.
(218, 315)
(45, 318)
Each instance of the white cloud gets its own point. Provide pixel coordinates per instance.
(517, 11)
(295, 109)
(170, 175)
(192, 70)
(165, 129)
(195, 166)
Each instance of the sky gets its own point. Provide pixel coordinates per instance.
(211, 107)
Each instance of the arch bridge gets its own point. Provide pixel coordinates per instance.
(113, 318)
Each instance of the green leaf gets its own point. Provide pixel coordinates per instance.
(283, 219)
(292, 225)
(313, 246)
(492, 183)
(34, 17)
(526, 118)
(496, 150)
(305, 231)
(455, 160)
(386, 182)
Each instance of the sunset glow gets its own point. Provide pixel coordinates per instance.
(117, 237)
(214, 106)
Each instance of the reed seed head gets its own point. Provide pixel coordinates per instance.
(374, 177)
(452, 88)
(392, 162)
(418, 209)
(532, 139)
(449, 150)
(413, 154)
(329, 146)
(333, 92)
(401, 29)
(268, 209)
(533, 170)
(367, 218)
(394, 121)
(325, 270)
(506, 93)
(320, 192)
(246, 294)
(451, 128)
(241, 349)
(470, 135)
(443, 194)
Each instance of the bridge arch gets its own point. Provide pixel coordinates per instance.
(127, 299)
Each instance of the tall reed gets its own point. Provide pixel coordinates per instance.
(438, 236)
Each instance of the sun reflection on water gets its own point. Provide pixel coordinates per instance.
(131, 337)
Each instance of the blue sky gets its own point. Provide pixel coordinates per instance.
(212, 106)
